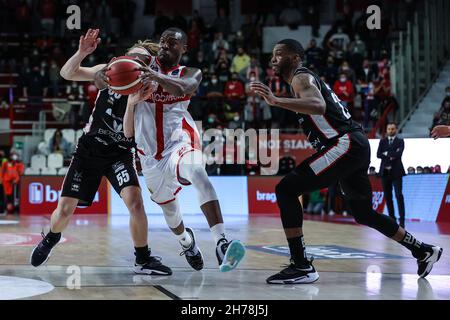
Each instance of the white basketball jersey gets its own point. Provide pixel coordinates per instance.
(163, 121)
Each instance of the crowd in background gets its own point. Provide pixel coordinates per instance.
(442, 116)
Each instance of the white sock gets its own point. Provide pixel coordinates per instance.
(218, 232)
(185, 239)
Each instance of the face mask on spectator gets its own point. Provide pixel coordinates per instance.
(236, 118)
(14, 157)
(213, 80)
(252, 78)
(343, 79)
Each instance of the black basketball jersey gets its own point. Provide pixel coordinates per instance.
(322, 129)
(103, 135)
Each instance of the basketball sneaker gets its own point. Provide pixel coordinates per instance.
(192, 253)
(42, 252)
(152, 266)
(432, 255)
(294, 274)
(229, 254)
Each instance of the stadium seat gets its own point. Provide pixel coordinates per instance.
(32, 171)
(48, 134)
(38, 161)
(62, 171)
(69, 135)
(43, 148)
(55, 160)
(78, 134)
(49, 171)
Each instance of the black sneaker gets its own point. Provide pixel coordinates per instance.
(153, 266)
(432, 255)
(42, 252)
(294, 275)
(229, 254)
(193, 254)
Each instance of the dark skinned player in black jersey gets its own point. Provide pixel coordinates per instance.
(343, 154)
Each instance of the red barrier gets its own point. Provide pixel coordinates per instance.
(40, 195)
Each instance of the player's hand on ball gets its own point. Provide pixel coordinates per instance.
(143, 94)
(263, 91)
(440, 131)
(148, 76)
(88, 43)
(100, 79)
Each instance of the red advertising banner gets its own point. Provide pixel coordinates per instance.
(296, 146)
(40, 195)
(261, 194)
(262, 198)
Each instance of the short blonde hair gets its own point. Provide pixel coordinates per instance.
(148, 45)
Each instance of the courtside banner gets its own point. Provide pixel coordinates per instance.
(40, 195)
(261, 194)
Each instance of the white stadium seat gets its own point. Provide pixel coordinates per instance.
(62, 171)
(38, 161)
(78, 134)
(48, 134)
(32, 171)
(55, 160)
(49, 171)
(69, 135)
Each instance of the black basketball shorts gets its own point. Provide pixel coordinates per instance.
(85, 175)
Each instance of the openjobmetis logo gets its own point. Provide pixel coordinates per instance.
(266, 196)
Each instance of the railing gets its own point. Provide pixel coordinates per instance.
(419, 54)
(381, 123)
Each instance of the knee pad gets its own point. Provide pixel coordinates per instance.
(172, 213)
(193, 170)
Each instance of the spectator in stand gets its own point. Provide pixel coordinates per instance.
(219, 43)
(223, 72)
(74, 91)
(35, 86)
(222, 23)
(339, 41)
(437, 169)
(314, 54)
(215, 87)
(239, 41)
(193, 38)
(290, 16)
(330, 71)
(357, 51)
(427, 170)
(411, 170)
(47, 14)
(54, 78)
(234, 89)
(419, 170)
(316, 202)
(11, 172)
(253, 68)
(199, 61)
(345, 68)
(240, 61)
(344, 90)
(442, 118)
(58, 144)
(199, 21)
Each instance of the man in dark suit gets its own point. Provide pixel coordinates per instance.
(390, 152)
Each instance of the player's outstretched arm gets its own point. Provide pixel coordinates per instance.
(72, 69)
(307, 100)
(187, 84)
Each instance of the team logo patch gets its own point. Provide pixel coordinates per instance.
(328, 252)
(77, 176)
(75, 187)
(118, 166)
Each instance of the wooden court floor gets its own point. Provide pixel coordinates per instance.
(94, 262)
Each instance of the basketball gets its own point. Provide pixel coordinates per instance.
(123, 73)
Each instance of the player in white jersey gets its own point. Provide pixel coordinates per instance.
(168, 145)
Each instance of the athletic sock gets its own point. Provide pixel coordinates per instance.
(412, 244)
(298, 253)
(218, 232)
(142, 254)
(54, 237)
(185, 239)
